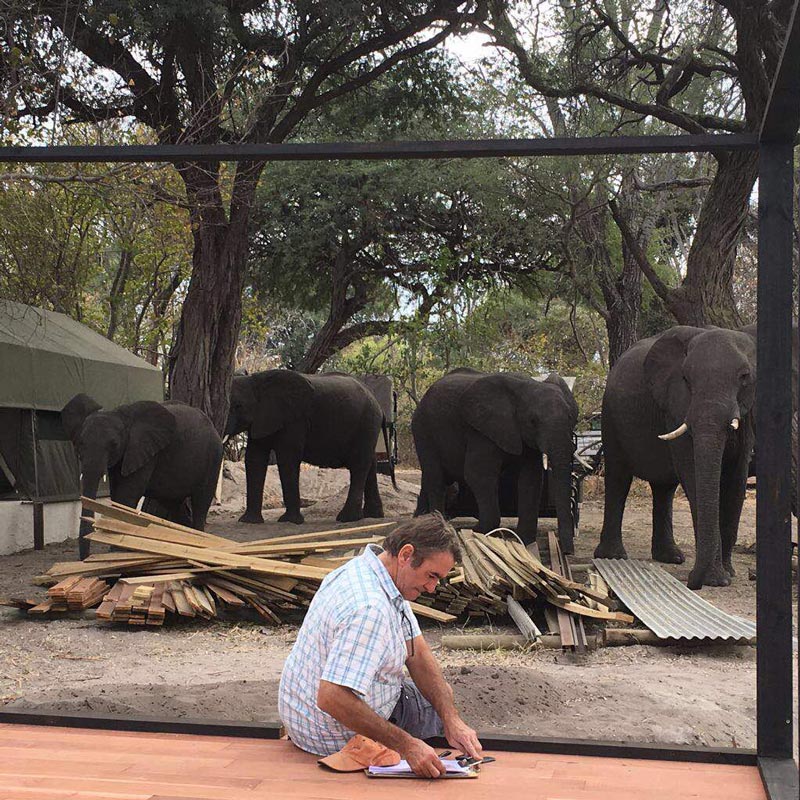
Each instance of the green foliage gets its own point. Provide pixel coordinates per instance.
(108, 246)
(497, 331)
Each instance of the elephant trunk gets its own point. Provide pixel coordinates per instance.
(708, 451)
(561, 491)
(90, 480)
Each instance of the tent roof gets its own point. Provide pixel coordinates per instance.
(46, 358)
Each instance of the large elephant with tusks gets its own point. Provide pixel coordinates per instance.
(679, 409)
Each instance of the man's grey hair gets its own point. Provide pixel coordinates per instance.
(428, 533)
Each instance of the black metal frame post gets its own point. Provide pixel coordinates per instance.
(773, 423)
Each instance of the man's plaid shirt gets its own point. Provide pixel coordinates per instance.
(355, 635)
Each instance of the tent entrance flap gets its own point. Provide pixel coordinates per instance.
(40, 462)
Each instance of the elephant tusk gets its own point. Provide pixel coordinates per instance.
(544, 461)
(679, 431)
(735, 423)
(584, 463)
(225, 438)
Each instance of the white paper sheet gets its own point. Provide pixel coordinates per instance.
(451, 765)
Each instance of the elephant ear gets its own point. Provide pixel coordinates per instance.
(281, 396)
(150, 429)
(74, 414)
(663, 369)
(489, 407)
(556, 379)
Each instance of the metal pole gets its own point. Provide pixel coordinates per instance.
(773, 425)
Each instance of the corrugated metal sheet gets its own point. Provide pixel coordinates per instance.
(666, 606)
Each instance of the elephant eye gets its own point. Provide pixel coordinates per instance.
(744, 378)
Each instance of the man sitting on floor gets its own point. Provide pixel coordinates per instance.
(345, 672)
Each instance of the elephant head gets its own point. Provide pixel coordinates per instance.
(704, 382)
(126, 438)
(517, 412)
(266, 402)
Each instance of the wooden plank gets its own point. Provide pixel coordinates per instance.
(288, 549)
(182, 605)
(209, 556)
(166, 577)
(313, 536)
(225, 595)
(431, 613)
(153, 531)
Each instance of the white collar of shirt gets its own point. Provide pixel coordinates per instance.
(370, 554)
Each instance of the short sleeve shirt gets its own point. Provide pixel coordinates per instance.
(354, 635)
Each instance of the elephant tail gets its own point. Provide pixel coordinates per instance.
(389, 454)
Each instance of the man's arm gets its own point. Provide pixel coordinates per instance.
(427, 675)
(352, 712)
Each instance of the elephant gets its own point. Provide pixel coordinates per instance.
(330, 420)
(165, 451)
(471, 426)
(678, 408)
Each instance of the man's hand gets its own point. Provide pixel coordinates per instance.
(460, 736)
(422, 759)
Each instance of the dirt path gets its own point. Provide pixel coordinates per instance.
(230, 670)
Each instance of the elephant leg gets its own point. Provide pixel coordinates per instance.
(176, 511)
(617, 485)
(256, 461)
(363, 463)
(663, 547)
(373, 507)
(432, 489)
(203, 493)
(130, 490)
(529, 495)
(482, 466)
(289, 470)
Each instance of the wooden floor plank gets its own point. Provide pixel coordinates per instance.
(79, 764)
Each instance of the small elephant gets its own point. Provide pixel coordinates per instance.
(470, 426)
(165, 451)
(679, 408)
(330, 420)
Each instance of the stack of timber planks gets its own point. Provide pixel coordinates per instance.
(159, 568)
(494, 567)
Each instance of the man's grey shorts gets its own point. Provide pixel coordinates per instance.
(414, 714)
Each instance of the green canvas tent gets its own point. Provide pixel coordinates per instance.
(46, 359)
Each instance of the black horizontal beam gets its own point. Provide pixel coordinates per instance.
(112, 722)
(353, 151)
(782, 114)
(491, 740)
(516, 743)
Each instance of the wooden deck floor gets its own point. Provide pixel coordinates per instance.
(43, 763)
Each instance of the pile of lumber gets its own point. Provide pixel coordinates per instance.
(158, 568)
(494, 567)
(73, 594)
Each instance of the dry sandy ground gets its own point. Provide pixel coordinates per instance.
(230, 670)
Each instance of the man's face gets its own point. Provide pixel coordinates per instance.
(413, 581)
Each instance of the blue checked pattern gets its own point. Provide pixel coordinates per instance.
(354, 634)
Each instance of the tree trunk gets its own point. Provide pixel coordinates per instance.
(622, 291)
(202, 360)
(118, 291)
(624, 305)
(706, 296)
